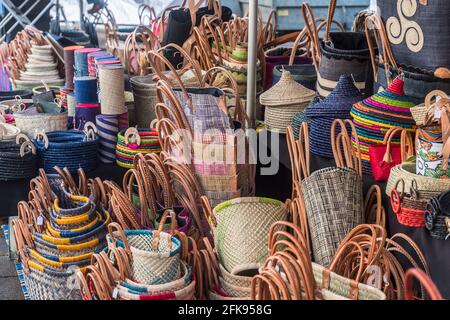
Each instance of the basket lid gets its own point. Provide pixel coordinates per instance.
(286, 92)
(339, 101)
(391, 104)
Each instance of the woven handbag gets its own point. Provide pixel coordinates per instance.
(240, 229)
(338, 53)
(333, 196)
(384, 157)
(155, 254)
(414, 40)
(407, 172)
(418, 82)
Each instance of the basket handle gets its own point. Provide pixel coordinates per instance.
(340, 254)
(424, 280)
(113, 226)
(27, 145)
(387, 158)
(133, 176)
(352, 160)
(209, 213)
(385, 54)
(300, 218)
(153, 58)
(83, 286)
(173, 220)
(373, 206)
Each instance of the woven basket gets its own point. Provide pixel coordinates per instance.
(155, 255)
(277, 119)
(185, 279)
(334, 204)
(407, 172)
(145, 99)
(340, 287)
(45, 284)
(8, 132)
(29, 123)
(242, 228)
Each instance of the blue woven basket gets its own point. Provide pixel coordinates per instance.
(69, 149)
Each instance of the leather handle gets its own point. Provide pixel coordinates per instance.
(424, 280)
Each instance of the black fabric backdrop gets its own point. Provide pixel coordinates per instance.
(277, 186)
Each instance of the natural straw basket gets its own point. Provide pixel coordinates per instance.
(111, 82)
(155, 254)
(407, 173)
(30, 120)
(422, 111)
(241, 228)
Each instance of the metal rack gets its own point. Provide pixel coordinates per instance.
(21, 18)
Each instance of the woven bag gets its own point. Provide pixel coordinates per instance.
(332, 196)
(418, 82)
(407, 172)
(240, 229)
(338, 53)
(155, 255)
(414, 40)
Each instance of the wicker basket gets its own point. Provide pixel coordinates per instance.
(155, 255)
(241, 228)
(30, 123)
(407, 172)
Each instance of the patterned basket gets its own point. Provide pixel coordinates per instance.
(155, 255)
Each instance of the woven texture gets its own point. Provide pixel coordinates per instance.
(375, 115)
(333, 201)
(407, 172)
(340, 287)
(153, 265)
(144, 92)
(286, 92)
(30, 121)
(242, 229)
(322, 113)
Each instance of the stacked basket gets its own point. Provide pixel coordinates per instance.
(53, 245)
(40, 66)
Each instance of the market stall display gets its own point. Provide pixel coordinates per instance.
(188, 216)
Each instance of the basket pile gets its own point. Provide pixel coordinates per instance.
(57, 241)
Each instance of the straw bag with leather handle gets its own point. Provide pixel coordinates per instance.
(384, 157)
(333, 196)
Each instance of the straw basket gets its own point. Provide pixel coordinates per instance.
(155, 255)
(241, 230)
